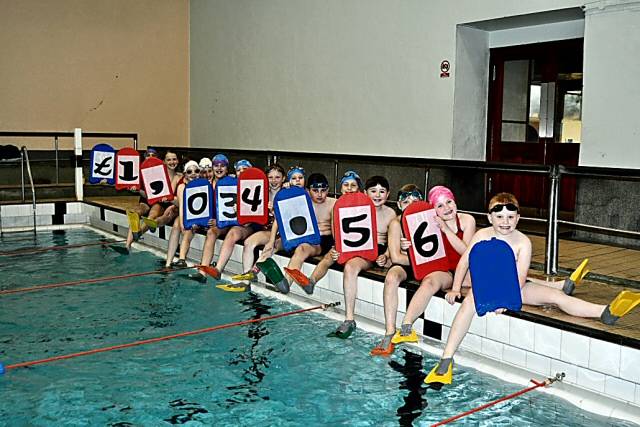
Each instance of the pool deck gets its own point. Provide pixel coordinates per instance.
(616, 269)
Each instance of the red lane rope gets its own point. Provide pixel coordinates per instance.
(87, 281)
(546, 382)
(164, 338)
(56, 248)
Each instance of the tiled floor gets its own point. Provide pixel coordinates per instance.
(604, 260)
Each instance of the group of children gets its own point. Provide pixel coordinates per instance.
(458, 231)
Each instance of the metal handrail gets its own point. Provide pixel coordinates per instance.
(57, 135)
(24, 154)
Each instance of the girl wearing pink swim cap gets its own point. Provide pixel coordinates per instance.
(457, 230)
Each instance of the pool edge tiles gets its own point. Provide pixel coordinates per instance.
(531, 349)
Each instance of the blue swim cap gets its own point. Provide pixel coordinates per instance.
(149, 152)
(220, 158)
(241, 163)
(294, 170)
(351, 176)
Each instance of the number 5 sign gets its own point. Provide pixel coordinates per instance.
(427, 253)
(355, 228)
(253, 196)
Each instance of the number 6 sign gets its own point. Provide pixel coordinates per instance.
(355, 228)
(427, 253)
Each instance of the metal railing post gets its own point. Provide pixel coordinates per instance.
(135, 143)
(22, 173)
(55, 143)
(551, 241)
(335, 177)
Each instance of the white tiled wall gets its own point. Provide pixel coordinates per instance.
(590, 363)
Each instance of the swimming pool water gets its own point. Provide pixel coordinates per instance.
(283, 372)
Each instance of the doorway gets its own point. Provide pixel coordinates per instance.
(535, 117)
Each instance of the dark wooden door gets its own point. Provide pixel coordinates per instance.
(535, 104)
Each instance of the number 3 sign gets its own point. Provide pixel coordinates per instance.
(355, 228)
(226, 195)
(427, 253)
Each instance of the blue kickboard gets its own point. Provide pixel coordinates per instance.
(494, 277)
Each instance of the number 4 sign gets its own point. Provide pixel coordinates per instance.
(427, 253)
(355, 228)
(253, 196)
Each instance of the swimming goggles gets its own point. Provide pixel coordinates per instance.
(403, 195)
(509, 206)
(191, 171)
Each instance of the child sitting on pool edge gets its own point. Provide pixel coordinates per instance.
(503, 216)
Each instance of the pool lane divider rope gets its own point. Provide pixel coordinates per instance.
(29, 251)
(89, 281)
(4, 368)
(547, 382)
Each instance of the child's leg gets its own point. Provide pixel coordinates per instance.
(460, 326)
(209, 246)
(555, 285)
(392, 280)
(534, 294)
(321, 269)
(431, 284)
(142, 209)
(185, 244)
(352, 268)
(256, 239)
(234, 235)
(301, 253)
(169, 215)
(174, 238)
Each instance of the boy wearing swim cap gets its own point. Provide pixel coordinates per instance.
(377, 188)
(350, 183)
(504, 216)
(318, 187)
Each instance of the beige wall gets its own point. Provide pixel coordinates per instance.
(335, 76)
(103, 66)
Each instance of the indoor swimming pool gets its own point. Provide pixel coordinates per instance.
(280, 372)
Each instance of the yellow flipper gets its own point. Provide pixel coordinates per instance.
(398, 338)
(244, 276)
(579, 273)
(151, 223)
(624, 303)
(435, 378)
(234, 287)
(134, 221)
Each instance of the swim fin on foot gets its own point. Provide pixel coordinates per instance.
(445, 378)
(249, 275)
(151, 223)
(298, 276)
(210, 271)
(624, 303)
(399, 338)
(234, 287)
(134, 221)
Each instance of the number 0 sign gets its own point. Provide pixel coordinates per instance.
(427, 253)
